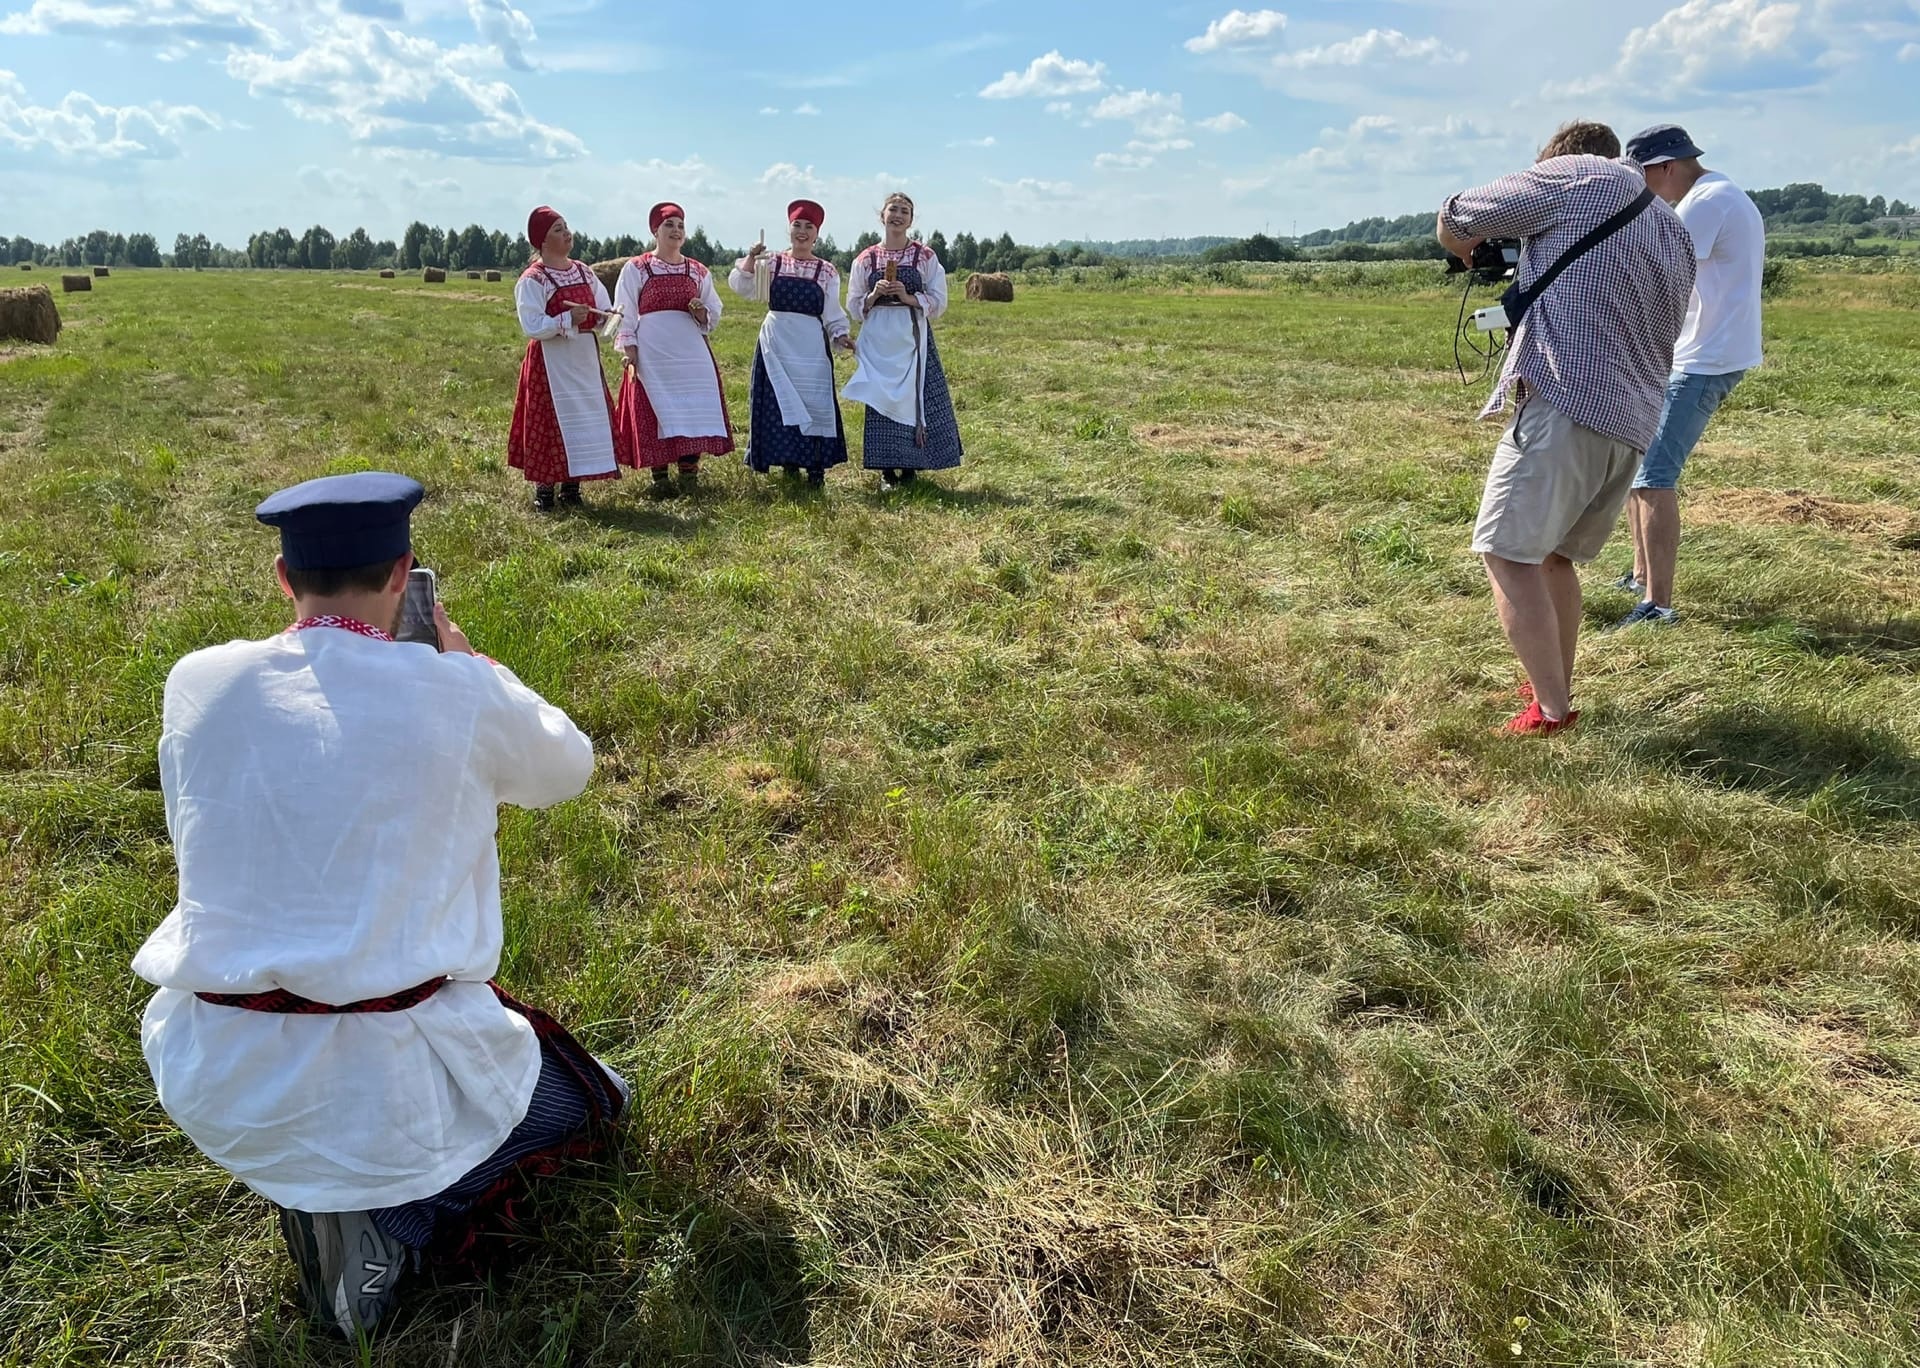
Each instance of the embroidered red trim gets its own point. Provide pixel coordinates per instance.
(345, 624)
(282, 1003)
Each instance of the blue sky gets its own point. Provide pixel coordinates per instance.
(1044, 119)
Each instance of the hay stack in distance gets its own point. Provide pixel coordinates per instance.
(473, 275)
(26, 265)
(71, 283)
(386, 275)
(27, 313)
(993, 286)
(609, 271)
(101, 273)
(493, 276)
(433, 275)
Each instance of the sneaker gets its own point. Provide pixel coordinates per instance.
(570, 494)
(1533, 722)
(543, 497)
(1648, 614)
(349, 1271)
(888, 484)
(1631, 583)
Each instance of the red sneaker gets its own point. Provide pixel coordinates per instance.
(1533, 722)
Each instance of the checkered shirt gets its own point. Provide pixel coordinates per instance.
(1598, 345)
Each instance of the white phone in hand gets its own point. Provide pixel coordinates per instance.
(416, 609)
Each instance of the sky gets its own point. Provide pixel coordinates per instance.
(1047, 120)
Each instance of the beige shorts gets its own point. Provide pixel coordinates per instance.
(1556, 488)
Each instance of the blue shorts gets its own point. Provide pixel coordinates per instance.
(1691, 401)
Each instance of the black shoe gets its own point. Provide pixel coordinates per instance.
(793, 472)
(543, 497)
(689, 479)
(909, 476)
(817, 477)
(570, 493)
(660, 479)
(349, 1271)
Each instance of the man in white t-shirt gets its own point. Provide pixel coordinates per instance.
(1719, 344)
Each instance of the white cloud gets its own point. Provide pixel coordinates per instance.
(80, 126)
(1373, 46)
(1910, 53)
(988, 141)
(1228, 122)
(1029, 190)
(1122, 161)
(1704, 46)
(1154, 114)
(1238, 28)
(1064, 108)
(1049, 75)
(1159, 144)
(505, 27)
(162, 22)
(1378, 145)
(768, 109)
(393, 91)
(807, 110)
(787, 176)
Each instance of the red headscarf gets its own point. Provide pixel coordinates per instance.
(539, 223)
(809, 210)
(661, 212)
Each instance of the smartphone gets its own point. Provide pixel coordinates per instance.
(416, 609)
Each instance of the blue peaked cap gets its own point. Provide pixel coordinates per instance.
(341, 521)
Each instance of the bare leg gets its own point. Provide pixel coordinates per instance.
(1526, 600)
(1637, 529)
(1563, 586)
(1660, 517)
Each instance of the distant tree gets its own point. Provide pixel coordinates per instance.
(142, 250)
(315, 252)
(966, 253)
(476, 249)
(356, 253)
(433, 252)
(937, 244)
(412, 243)
(117, 249)
(502, 247)
(450, 250)
(861, 243)
(22, 249)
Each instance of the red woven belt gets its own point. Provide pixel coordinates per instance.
(279, 1000)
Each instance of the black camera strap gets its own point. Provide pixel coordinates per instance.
(1517, 301)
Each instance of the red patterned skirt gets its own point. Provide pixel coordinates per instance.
(535, 446)
(636, 432)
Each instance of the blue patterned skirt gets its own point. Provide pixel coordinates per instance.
(889, 445)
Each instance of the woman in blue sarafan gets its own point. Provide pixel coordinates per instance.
(897, 289)
(795, 414)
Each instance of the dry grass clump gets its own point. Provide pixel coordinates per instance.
(995, 287)
(1796, 507)
(434, 275)
(28, 314)
(71, 284)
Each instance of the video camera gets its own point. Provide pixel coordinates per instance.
(1494, 262)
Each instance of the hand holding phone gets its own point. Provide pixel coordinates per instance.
(418, 620)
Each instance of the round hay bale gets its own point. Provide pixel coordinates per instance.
(386, 275)
(609, 271)
(433, 275)
(69, 284)
(994, 287)
(26, 265)
(101, 273)
(473, 275)
(27, 313)
(493, 276)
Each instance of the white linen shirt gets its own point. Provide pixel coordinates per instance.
(332, 800)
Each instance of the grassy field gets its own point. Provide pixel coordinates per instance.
(1073, 911)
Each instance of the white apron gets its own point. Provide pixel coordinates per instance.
(579, 392)
(892, 370)
(677, 370)
(793, 348)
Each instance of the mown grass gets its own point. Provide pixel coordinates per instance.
(1072, 912)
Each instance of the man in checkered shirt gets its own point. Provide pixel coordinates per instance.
(1584, 384)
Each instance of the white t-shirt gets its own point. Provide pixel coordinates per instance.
(332, 800)
(1722, 331)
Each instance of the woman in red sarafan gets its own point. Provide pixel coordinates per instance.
(672, 408)
(563, 413)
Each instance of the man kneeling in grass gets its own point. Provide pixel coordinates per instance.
(326, 1027)
(1586, 376)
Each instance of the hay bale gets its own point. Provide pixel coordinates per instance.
(26, 265)
(473, 275)
(493, 277)
(27, 313)
(101, 273)
(609, 271)
(386, 275)
(994, 287)
(433, 275)
(70, 284)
